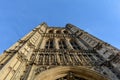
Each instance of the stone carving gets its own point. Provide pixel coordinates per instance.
(21, 57)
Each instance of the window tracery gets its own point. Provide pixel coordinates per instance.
(58, 32)
(62, 44)
(49, 44)
(75, 45)
(51, 31)
(65, 32)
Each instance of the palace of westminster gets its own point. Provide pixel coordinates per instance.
(60, 53)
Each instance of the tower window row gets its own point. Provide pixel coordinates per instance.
(58, 31)
(62, 44)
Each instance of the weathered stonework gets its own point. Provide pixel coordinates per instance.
(60, 53)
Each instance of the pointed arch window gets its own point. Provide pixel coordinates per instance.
(62, 44)
(49, 44)
(58, 32)
(65, 32)
(75, 45)
(51, 31)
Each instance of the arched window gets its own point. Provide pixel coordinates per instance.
(51, 31)
(58, 32)
(62, 44)
(65, 32)
(49, 44)
(75, 45)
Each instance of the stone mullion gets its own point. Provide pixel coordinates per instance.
(61, 61)
(43, 59)
(90, 60)
(84, 55)
(75, 58)
(81, 59)
(49, 58)
(52, 59)
(58, 58)
(84, 60)
(55, 59)
(37, 59)
(69, 58)
(78, 59)
(73, 61)
(64, 59)
(46, 59)
(45, 56)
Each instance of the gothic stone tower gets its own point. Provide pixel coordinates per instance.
(60, 53)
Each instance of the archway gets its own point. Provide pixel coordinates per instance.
(65, 73)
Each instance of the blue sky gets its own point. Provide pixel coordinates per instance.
(98, 17)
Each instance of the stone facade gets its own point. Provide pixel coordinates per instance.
(60, 53)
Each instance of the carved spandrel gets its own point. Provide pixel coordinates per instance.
(42, 68)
